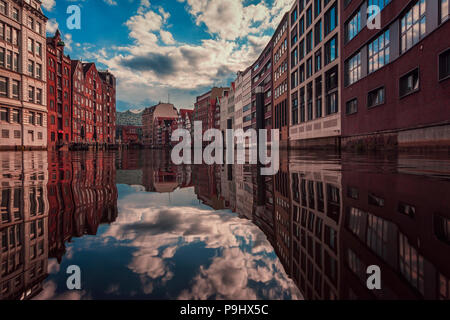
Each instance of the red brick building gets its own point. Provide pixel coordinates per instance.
(130, 134)
(59, 104)
(109, 106)
(205, 108)
(79, 114)
(93, 93)
(396, 79)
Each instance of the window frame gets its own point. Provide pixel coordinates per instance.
(375, 90)
(446, 51)
(405, 75)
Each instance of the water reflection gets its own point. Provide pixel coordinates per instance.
(140, 227)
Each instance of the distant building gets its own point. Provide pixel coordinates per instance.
(129, 134)
(108, 120)
(205, 108)
(185, 119)
(156, 123)
(129, 118)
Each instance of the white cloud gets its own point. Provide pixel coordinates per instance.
(111, 2)
(52, 26)
(157, 226)
(155, 64)
(48, 4)
(167, 37)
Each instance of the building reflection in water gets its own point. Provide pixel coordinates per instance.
(327, 220)
(46, 200)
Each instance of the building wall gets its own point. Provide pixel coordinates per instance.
(247, 99)
(109, 106)
(281, 75)
(59, 101)
(28, 131)
(318, 114)
(79, 113)
(24, 215)
(428, 106)
(262, 77)
(238, 102)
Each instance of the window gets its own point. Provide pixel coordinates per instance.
(353, 26)
(301, 26)
(38, 27)
(3, 7)
(294, 16)
(16, 116)
(309, 92)
(331, 50)
(309, 68)
(30, 23)
(331, 85)
(39, 96)
(413, 25)
(302, 104)
(353, 69)
(309, 42)
(16, 134)
(31, 118)
(294, 57)
(308, 16)
(380, 3)
(319, 97)
(40, 119)
(317, 7)
(294, 79)
(2, 57)
(301, 50)
(15, 89)
(15, 14)
(331, 20)
(3, 87)
(444, 65)
(31, 45)
(318, 32)
(351, 106)
(38, 71)
(294, 108)
(409, 83)
(9, 59)
(5, 134)
(442, 228)
(318, 61)
(375, 97)
(379, 52)
(444, 10)
(31, 68)
(31, 94)
(39, 48)
(16, 62)
(4, 114)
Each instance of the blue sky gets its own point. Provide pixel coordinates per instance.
(177, 47)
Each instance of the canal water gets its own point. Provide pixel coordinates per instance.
(139, 227)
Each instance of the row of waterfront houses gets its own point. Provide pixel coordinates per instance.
(158, 123)
(48, 100)
(326, 79)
